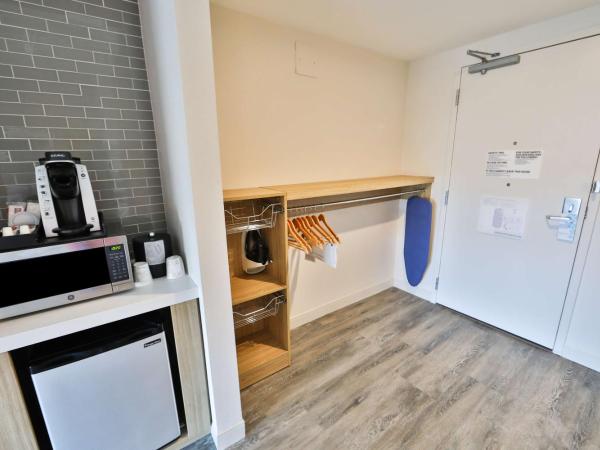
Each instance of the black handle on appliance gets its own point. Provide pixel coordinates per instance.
(70, 232)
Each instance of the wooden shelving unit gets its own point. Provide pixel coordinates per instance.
(263, 346)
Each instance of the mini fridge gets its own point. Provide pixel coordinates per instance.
(117, 394)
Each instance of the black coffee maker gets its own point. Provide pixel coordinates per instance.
(67, 203)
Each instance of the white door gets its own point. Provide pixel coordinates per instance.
(502, 262)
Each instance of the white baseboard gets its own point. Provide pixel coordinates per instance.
(320, 311)
(419, 291)
(229, 437)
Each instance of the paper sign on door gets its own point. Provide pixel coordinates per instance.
(503, 216)
(514, 164)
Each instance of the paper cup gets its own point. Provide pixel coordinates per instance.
(24, 229)
(141, 272)
(175, 267)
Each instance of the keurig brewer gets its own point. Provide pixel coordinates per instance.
(67, 203)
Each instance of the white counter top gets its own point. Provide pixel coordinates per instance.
(44, 325)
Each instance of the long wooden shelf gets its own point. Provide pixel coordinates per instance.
(245, 288)
(259, 355)
(235, 195)
(305, 191)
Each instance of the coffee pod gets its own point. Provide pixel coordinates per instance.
(7, 231)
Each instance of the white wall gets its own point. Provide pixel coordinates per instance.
(429, 112)
(178, 49)
(277, 127)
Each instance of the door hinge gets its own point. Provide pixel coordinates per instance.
(446, 196)
(585, 213)
(457, 98)
(437, 283)
(596, 187)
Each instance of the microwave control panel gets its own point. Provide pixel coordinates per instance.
(117, 262)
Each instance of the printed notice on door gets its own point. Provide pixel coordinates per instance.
(514, 164)
(503, 216)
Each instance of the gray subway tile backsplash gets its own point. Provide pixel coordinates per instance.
(13, 32)
(72, 77)
(59, 88)
(43, 12)
(9, 5)
(73, 53)
(48, 38)
(28, 47)
(86, 21)
(88, 44)
(19, 20)
(67, 5)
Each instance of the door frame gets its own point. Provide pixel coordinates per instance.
(583, 247)
(587, 229)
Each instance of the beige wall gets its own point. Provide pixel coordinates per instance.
(279, 127)
(276, 126)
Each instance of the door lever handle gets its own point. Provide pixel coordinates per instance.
(559, 220)
(565, 224)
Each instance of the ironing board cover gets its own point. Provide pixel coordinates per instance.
(417, 238)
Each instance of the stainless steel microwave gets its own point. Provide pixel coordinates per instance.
(44, 277)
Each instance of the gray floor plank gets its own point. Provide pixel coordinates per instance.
(396, 372)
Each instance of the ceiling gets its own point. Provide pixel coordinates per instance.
(406, 29)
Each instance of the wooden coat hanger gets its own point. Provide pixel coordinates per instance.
(322, 218)
(313, 242)
(308, 225)
(317, 226)
(295, 240)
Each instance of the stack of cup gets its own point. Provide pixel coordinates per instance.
(141, 272)
(10, 231)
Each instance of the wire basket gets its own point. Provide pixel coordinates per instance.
(254, 215)
(260, 309)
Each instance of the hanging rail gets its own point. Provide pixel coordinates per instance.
(356, 200)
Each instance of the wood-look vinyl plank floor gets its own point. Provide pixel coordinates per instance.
(397, 372)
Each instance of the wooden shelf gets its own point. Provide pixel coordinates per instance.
(263, 347)
(250, 287)
(259, 355)
(235, 195)
(304, 191)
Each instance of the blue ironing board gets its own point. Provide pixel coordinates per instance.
(417, 238)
